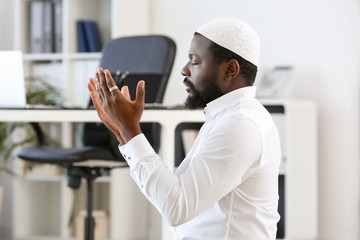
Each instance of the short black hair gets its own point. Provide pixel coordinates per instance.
(247, 69)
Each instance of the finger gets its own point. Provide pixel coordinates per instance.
(125, 92)
(94, 97)
(104, 89)
(99, 87)
(110, 83)
(97, 84)
(92, 85)
(92, 89)
(109, 79)
(97, 81)
(100, 110)
(140, 93)
(100, 73)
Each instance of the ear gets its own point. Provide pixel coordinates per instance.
(232, 69)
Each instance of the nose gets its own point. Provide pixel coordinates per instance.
(185, 71)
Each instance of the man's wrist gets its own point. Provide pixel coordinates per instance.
(128, 134)
(119, 138)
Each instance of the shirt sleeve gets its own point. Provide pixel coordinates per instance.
(229, 154)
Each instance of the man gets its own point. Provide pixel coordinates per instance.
(226, 187)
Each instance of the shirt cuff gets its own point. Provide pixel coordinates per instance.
(136, 149)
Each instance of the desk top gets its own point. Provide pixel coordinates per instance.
(164, 116)
(87, 115)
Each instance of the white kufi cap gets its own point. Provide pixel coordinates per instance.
(234, 35)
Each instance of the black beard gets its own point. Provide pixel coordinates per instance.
(199, 99)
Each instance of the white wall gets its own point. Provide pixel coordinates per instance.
(6, 43)
(6, 24)
(322, 40)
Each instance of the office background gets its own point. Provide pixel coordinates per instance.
(321, 39)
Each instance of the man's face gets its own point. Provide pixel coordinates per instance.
(201, 74)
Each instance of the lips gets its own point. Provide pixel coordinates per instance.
(187, 84)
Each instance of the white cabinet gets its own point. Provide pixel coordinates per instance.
(297, 124)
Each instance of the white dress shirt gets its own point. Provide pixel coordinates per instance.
(227, 186)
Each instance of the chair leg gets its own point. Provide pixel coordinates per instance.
(89, 220)
(75, 174)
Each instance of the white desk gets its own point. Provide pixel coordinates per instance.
(168, 119)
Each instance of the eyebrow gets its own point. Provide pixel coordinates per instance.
(191, 55)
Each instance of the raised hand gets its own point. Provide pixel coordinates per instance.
(101, 113)
(118, 107)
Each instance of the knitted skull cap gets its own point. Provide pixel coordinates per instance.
(235, 35)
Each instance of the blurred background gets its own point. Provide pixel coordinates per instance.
(321, 41)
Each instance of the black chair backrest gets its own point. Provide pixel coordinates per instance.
(143, 56)
(148, 58)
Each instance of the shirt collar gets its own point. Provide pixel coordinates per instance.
(219, 104)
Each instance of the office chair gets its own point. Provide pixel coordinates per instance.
(148, 58)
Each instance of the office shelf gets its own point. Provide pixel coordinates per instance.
(42, 204)
(42, 56)
(83, 56)
(67, 69)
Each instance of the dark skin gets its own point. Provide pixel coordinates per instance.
(201, 61)
(122, 116)
(123, 121)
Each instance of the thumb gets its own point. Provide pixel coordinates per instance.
(140, 93)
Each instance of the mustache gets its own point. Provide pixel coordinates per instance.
(188, 83)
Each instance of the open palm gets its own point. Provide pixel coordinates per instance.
(115, 108)
(101, 113)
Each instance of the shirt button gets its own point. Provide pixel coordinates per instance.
(129, 158)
